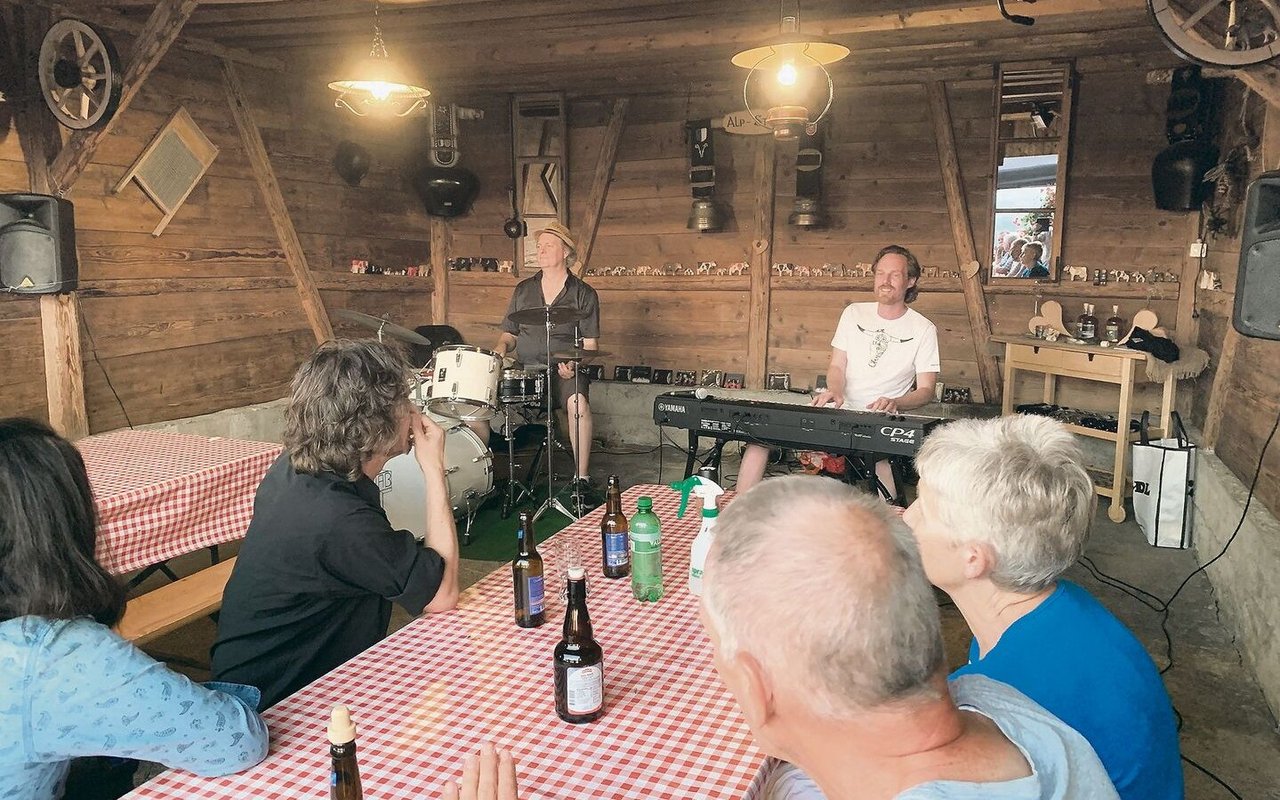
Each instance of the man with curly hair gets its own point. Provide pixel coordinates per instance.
(320, 564)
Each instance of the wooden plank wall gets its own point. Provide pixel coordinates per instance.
(204, 317)
(1251, 398)
(882, 186)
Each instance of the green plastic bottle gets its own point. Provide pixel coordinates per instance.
(646, 552)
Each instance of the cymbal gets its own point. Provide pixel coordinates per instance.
(378, 324)
(538, 315)
(580, 355)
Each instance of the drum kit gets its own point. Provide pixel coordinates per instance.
(461, 384)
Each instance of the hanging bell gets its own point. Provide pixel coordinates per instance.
(807, 213)
(705, 216)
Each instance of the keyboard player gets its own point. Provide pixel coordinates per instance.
(884, 356)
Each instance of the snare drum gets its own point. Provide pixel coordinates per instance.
(523, 386)
(463, 382)
(468, 472)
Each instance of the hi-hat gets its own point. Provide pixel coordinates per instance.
(539, 315)
(378, 324)
(580, 355)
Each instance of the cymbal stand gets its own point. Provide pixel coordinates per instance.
(576, 494)
(516, 491)
(552, 502)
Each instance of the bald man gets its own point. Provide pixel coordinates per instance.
(827, 633)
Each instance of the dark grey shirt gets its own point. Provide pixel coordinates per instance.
(531, 340)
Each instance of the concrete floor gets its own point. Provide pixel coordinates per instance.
(1227, 729)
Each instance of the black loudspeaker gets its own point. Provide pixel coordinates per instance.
(1189, 110)
(37, 244)
(1257, 310)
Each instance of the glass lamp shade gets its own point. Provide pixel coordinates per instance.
(376, 82)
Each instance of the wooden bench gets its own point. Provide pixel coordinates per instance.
(161, 610)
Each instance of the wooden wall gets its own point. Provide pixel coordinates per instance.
(205, 317)
(882, 185)
(1250, 393)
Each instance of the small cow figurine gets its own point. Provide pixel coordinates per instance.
(704, 268)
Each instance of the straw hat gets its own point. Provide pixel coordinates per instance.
(562, 233)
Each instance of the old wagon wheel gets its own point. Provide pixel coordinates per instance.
(1222, 33)
(80, 75)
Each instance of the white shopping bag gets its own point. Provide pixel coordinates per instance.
(1164, 482)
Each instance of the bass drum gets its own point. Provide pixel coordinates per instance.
(468, 471)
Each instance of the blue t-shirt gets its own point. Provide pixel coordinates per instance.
(1063, 766)
(1072, 656)
(74, 688)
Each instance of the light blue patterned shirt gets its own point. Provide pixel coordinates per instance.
(74, 688)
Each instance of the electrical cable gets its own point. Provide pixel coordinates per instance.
(93, 349)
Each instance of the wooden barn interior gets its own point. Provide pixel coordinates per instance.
(194, 318)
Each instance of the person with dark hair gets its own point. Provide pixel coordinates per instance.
(321, 565)
(71, 686)
(884, 356)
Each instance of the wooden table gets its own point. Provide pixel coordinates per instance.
(425, 697)
(1114, 365)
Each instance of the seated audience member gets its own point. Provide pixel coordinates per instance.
(824, 628)
(1030, 264)
(1011, 264)
(71, 686)
(321, 565)
(1004, 509)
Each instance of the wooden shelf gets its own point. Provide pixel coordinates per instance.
(465, 278)
(1152, 291)
(1097, 434)
(356, 282)
(692, 283)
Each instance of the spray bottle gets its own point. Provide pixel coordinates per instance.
(708, 490)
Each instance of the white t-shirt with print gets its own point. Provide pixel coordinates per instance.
(884, 354)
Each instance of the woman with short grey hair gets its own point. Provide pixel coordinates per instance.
(1004, 509)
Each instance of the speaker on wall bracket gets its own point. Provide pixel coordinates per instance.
(1257, 306)
(37, 244)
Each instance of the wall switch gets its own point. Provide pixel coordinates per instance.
(1198, 249)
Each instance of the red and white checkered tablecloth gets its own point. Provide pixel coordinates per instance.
(427, 696)
(161, 495)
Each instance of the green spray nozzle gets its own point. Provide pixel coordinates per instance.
(705, 488)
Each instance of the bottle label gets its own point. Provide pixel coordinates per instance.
(1087, 330)
(615, 549)
(584, 688)
(535, 595)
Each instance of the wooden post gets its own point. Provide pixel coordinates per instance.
(161, 28)
(975, 300)
(277, 210)
(441, 248)
(63, 367)
(600, 183)
(1221, 387)
(764, 180)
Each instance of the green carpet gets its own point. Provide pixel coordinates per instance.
(494, 538)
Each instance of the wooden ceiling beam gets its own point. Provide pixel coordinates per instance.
(655, 28)
(153, 42)
(111, 21)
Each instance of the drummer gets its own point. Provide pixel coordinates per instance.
(555, 285)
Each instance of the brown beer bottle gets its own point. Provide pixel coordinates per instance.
(579, 661)
(613, 533)
(344, 777)
(526, 571)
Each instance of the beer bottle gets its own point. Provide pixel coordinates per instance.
(579, 661)
(613, 533)
(344, 777)
(526, 571)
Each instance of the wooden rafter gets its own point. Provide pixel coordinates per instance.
(277, 210)
(605, 163)
(441, 247)
(962, 235)
(764, 186)
(160, 30)
(111, 21)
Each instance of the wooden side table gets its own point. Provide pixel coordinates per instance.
(1114, 365)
